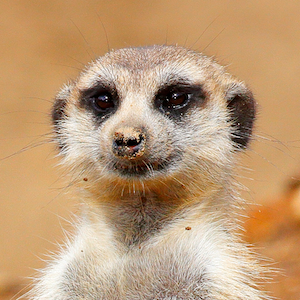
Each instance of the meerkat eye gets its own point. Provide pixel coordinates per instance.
(175, 100)
(103, 102)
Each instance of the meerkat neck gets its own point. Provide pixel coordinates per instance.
(138, 216)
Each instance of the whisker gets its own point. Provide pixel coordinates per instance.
(213, 40)
(205, 29)
(24, 111)
(105, 32)
(78, 61)
(87, 43)
(67, 66)
(41, 99)
(26, 148)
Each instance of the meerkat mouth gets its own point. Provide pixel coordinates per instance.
(142, 168)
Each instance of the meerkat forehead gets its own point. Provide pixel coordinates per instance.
(150, 67)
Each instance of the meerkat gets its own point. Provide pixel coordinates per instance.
(152, 136)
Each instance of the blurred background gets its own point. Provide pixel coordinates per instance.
(45, 43)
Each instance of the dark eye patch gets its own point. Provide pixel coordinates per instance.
(175, 99)
(101, 100)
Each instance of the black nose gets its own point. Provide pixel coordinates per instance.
(129, 143)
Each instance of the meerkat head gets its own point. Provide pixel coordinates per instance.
(153, 113)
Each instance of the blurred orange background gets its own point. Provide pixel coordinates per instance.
(45, 43)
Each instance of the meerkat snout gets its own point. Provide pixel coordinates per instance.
(129, 143)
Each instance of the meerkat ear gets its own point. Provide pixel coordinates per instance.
(58, 111)
(242, 108)
(60, 101)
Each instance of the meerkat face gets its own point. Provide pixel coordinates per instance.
(143, 113)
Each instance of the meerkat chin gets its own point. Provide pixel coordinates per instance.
(152, 135)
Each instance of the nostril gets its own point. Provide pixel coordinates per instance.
(129, 143)
(134, 141)
(119, 142)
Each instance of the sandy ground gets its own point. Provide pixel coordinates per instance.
(44, 43)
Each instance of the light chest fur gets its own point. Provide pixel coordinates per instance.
(152, 135)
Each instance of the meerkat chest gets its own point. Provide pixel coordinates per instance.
(169, 266)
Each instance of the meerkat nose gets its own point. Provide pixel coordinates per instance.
(129, 143)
